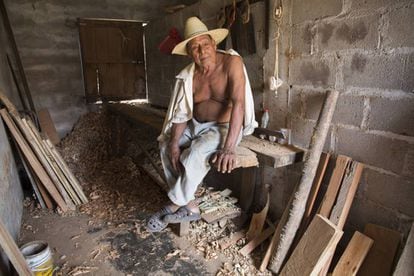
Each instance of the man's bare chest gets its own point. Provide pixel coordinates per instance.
(212, 87)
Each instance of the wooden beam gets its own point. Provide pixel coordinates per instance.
(289, 226)
(13, 252)
(380, 258)
(319, 240)
(353, 256)
(33, 161)
(405, 264)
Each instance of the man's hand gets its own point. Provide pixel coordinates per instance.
(225, 160)
(175, 152)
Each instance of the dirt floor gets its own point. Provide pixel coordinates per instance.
(107, 235)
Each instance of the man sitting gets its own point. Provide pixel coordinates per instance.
(210, 109)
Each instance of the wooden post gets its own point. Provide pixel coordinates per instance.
(289, 226)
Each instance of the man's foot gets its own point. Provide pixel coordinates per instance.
(183, 214)
(156, 222)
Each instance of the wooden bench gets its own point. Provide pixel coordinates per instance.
(253, 154)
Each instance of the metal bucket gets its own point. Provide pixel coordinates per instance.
(39, 257)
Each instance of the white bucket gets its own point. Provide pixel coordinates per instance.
(39, 257)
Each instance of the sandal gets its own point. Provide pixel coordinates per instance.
(183, 214)
(156, 222)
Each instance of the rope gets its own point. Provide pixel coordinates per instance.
(277, 17)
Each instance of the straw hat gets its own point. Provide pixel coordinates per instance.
(194, 28)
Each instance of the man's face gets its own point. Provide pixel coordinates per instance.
(202, 50)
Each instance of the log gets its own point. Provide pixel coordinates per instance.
(319, 240)
(13, 252)
(290, 225)
(405, 264)
(353, 256)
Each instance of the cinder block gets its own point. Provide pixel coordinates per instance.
(361, 33)
(375, 150)
(302, 37)
(302, 131)
(316, 71)
(364, 211)
(391, 191)
(400, 28)
(373, 4)
(380, 71)
(349, 109)
(314, 9)
(394, 115)
(296, 102)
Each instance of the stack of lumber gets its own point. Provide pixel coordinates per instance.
(51, 179)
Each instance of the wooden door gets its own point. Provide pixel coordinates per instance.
(112, 59)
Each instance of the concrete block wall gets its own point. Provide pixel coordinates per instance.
(47, 37)
(163, 68)
(11, 195)
(364, 49)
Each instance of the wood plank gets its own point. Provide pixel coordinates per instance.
(340, 211)
(353, 256)
(217, 215)
(291, 225)
(319, 240)
(50, 165)
(45, 194)
(251, 245)
(68, 173)
(346, 194)
(405, 264)
(13, 252)
(47, 125)
(380, 258)
(334, 185)
(32, 160)
(39, 152)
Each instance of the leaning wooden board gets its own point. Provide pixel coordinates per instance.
(316, 245)
(353, 256)
(380, 258)
(13, 252)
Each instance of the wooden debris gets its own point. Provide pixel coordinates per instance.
(257, 241)
(355, 253)
(226, 242)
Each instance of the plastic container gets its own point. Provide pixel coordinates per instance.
(39, 257)
(265, 119)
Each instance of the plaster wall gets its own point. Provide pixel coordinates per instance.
(11, 196)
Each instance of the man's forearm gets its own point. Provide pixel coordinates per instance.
(177, 131)
(236, 122)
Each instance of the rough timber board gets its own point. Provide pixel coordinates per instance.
(353, 256)
(47, 125)
(380, 258)
(319, 240)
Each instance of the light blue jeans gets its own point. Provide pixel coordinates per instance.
(198, 143)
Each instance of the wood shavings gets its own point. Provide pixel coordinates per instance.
(82, 270)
